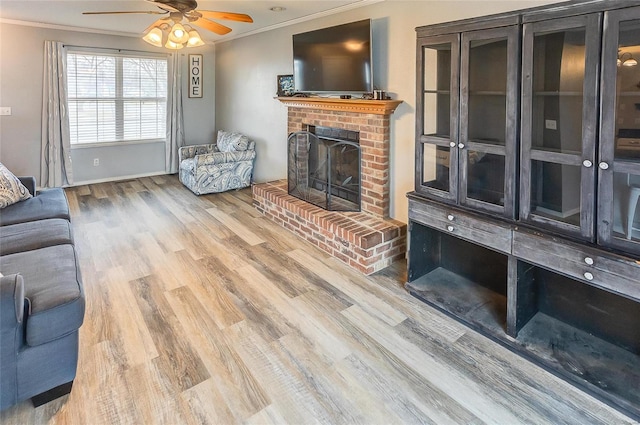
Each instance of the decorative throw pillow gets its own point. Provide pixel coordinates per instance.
(232, 142)
(11, 189)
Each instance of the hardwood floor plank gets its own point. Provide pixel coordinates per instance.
(207, 405)
(239, 228)
(306, 325)
(374, 305)
(267, 416)
(182, 366)
(449, 380)
(288, 389)
(234, 380)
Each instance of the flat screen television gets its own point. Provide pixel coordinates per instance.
(334, 60)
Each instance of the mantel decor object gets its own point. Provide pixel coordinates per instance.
(195, 76)
(285, 85)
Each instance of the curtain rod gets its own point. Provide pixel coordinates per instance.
(117, 50)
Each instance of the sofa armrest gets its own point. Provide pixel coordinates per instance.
(191, 151)
(11, 301)
(224, 157)
(30, 183)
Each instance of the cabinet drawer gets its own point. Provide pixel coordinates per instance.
(602, 269)
(486, 232)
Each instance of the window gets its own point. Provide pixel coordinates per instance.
(115, 97)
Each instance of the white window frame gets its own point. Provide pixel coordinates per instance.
(119, 98)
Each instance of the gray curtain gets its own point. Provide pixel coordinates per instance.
(55, 155)
(175, 120)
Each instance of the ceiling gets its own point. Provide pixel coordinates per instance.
(68, 14)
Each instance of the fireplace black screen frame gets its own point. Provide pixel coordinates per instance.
(311, 160)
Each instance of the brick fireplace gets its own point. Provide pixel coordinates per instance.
(367, 240)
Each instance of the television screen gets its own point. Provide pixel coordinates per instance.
(334, 60)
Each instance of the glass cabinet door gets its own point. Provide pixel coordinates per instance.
(488, 119)
(437, 106)
(619, 166)
(559, 112)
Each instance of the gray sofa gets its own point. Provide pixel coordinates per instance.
(41, 299)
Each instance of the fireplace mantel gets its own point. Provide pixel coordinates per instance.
(363, 106)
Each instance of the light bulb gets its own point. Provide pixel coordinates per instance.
(630, 62)
(194, 39)
(178, 34)
(154, 37)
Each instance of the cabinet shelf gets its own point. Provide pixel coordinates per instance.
(438, 91)
(487, 93)
(463, 298)
(558, 93)
(584, 358)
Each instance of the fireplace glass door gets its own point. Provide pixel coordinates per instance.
(324, 168)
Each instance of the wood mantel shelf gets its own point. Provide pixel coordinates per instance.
(363, 106)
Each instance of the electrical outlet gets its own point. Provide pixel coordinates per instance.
(96, 162)
(5, 110)
(550, 124)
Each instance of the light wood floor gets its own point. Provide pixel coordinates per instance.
(199, 310)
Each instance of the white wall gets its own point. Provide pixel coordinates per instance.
(21, 89)
(246, 71)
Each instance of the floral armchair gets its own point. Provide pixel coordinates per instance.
(225, 165)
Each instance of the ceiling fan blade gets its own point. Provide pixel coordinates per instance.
(240, 17)
(211, 26)
(148, 12)
(163, 6)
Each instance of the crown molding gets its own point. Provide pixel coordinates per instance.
(328, 12)
(66, 28)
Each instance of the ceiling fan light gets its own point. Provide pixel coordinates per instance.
(179, 34)
(194, 39)
(173, 46)
(630, 62)
(154, 37)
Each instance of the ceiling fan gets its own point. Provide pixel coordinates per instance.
(169, 32)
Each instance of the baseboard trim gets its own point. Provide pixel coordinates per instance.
(119, 178)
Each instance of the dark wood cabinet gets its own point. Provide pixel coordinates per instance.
(468, 108)
(541, 253)
(559, 109)
(619, 149)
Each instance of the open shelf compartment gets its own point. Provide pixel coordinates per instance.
(463, 279)
(588, 335)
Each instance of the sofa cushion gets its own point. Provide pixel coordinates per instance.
(11, 189)
(53, 285)
(232, 142)
(48, 203)
(35, 235)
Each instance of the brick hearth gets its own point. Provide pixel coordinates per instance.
(368, 240)
(361, 240)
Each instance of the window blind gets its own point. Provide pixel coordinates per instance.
(116, 97)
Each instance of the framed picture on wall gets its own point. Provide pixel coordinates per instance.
(195, 76)
(285, 85)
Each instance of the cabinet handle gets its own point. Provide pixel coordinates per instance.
(587, 163)
(450, 217)
(450, 228)
(603, 166)
(588, 276)
(588, 260)
(452, 144)
(461, 145)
